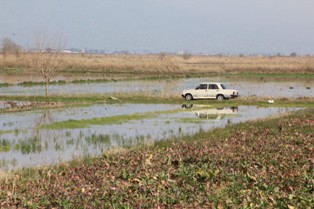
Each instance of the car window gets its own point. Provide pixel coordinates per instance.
(203, 86)
(213, 86)
(223, 86)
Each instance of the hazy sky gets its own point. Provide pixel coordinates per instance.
(196, 26)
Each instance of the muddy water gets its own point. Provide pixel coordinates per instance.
(23, 144)
(271, 88)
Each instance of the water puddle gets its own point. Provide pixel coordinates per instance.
(24, 144)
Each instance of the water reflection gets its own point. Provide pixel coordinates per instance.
(211, 113)
(216, 114)
(24, 144)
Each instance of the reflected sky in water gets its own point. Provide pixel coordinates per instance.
(23, 144)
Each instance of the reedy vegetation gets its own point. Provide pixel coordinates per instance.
(261, 164)
(156, 64)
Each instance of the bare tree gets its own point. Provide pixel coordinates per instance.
(10, 47)
(48, 58)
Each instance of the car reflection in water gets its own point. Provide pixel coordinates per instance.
(211, 113)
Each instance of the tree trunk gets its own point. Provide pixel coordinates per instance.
(46, 87)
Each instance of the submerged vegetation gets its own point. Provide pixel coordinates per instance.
(117, 119)
(261, 164)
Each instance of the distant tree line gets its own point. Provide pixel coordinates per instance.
(9, 47)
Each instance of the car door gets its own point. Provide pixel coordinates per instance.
(213, 90)
(201, 91)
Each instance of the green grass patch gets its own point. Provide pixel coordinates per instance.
(6, 131)
(30, 83)
(4, 85)
(191, 120)
(4, 146)
(118, 119)
(62, 82)
(59, 82)
(138, 99)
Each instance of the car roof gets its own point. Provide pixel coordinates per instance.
(210, 83)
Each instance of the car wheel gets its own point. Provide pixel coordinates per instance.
(220, 97)
(188, 97)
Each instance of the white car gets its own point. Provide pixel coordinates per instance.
(210, 91)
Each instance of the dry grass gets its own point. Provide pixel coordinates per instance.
(156, 64)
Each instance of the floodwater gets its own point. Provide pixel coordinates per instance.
(24, 144)
(271, 88)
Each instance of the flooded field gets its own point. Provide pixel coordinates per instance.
(42, 137)
(270, 88)
(30, 139)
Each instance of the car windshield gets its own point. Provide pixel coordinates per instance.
(223, 86)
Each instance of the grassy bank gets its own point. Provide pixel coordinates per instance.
(261, 164)
(170, 78)
(147, 99)
(81, 100)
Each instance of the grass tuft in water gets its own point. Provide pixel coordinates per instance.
(4, 145)
(72, 124)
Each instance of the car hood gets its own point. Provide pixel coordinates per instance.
(188, 90)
